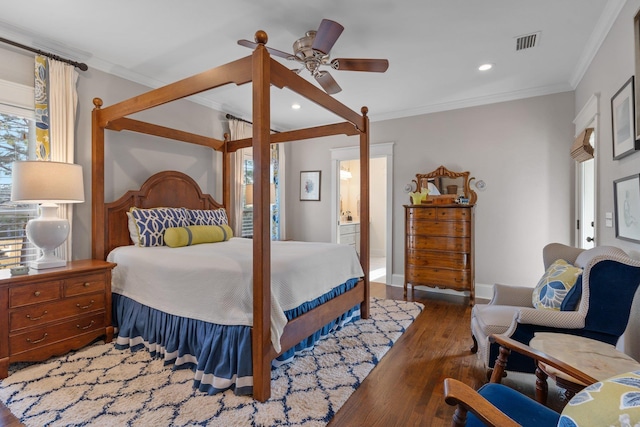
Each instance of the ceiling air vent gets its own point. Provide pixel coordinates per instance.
(527, 41)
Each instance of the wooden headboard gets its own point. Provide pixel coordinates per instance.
(164, 189)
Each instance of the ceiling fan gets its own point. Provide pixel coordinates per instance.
(313, 49)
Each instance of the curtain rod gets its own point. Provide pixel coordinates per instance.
(232, 117)
(82, 66)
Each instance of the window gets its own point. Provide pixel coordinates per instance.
(17, 142)
(247, 204)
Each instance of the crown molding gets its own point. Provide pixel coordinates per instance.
(600, 31)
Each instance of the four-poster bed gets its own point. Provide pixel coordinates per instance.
(109, 221)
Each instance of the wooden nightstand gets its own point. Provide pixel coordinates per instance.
(50, 312)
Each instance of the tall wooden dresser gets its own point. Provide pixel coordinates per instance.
(439, 247)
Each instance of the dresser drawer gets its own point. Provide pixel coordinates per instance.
(34, 293)
(84, 284)
(440, 213)
(46, 335)
(349, 228)
(349, 239)
(438, 228)
(453, 214)
(44, 313)
(435, 243)
(453, 260)
(439, 277)
(421, 213)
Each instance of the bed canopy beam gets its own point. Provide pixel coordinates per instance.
(238, 72)
(344, 128)
(164, 132)
(281, 77)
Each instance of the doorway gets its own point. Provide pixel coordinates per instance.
(345, 184)
(585, 179)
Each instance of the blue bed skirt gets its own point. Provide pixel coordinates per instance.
(220, 355)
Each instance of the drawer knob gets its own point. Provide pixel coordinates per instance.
(29, 340)
(84, 307)
(86, 327)
(33, 319)
(36, 293)
(86, 284)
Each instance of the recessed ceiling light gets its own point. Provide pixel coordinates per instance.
(295, 106)
(485, 67)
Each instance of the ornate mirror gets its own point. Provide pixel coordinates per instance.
(445, 186)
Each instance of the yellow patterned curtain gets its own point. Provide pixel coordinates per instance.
(43, 150)
(56, 101)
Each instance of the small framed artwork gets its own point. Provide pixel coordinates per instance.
(310, 185)
(626, 194)
(623, 119)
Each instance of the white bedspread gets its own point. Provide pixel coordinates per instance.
(213, 282)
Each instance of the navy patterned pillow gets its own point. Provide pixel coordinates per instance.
(152, 223)
(208, 217)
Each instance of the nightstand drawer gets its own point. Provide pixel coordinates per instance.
(46, 335)
(84, 284)
(34, 293)
(41, 314)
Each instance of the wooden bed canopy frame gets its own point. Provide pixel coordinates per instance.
(109, 223)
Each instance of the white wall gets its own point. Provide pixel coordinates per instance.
(519, 148)
(609, 70)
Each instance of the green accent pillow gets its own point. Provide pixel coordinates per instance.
(177, 237)
(554, 285)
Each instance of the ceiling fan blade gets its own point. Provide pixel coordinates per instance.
(326, 36)
(272, 51)
(328, 83)
(354, 64)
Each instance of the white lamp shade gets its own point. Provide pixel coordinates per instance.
(46, 182)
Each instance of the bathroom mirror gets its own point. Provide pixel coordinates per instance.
(445, 186)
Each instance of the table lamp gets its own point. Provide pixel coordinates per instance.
(50, 184)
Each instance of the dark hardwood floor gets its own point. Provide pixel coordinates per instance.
(406, 388)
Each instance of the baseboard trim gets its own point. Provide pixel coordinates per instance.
(484, 291)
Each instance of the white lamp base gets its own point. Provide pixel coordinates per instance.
(47, 232)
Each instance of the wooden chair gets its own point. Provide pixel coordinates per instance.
(495, 404)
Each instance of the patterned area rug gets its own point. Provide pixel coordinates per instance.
(102, 386)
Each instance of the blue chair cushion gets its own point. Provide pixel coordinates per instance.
(520, 408)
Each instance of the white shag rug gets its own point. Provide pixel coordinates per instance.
(102, 386)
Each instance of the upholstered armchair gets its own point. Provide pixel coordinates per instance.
(608, 285)
(498, 405)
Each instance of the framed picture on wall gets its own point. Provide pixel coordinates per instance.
(626, 194)
(310, 185)
(623, 119)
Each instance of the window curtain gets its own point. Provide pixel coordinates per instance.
(238, 130)
(56, 101)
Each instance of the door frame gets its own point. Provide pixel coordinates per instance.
(587, 117)
(384, 150)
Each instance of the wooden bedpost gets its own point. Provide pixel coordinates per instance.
(364, 210)
(97, 184)
(261, 336)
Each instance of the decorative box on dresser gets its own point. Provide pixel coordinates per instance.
(439, 235)
(49, 312)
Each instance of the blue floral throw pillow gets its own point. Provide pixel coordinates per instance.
(555, 284)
